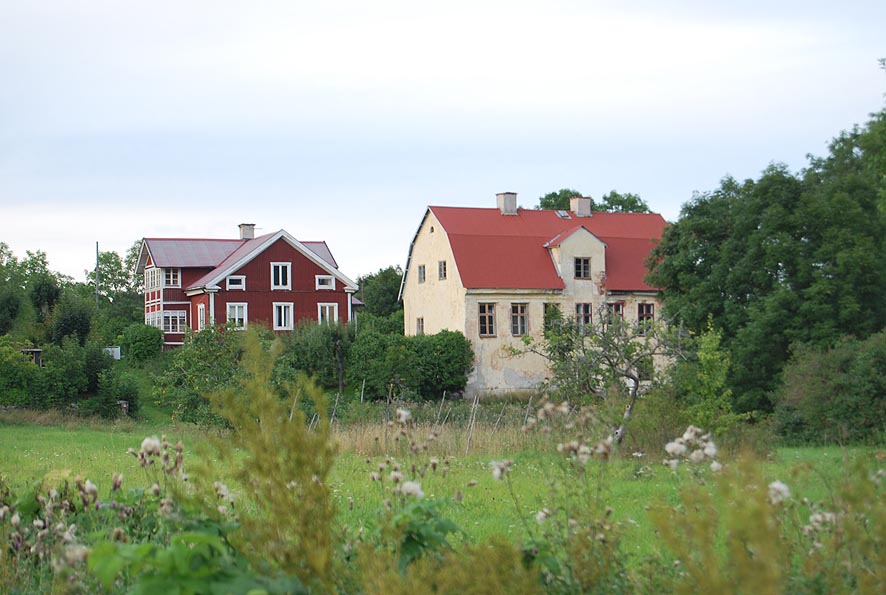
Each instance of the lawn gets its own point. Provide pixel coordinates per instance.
(477, 503)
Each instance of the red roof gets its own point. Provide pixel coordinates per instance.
(496, 251)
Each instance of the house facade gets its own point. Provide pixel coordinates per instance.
(492, 273)
(273, 280)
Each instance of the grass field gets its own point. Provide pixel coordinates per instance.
(54, 449)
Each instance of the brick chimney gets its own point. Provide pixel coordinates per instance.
(580, 205)
(507, 203)
(247, 231)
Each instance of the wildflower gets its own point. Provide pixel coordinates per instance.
(691, 433)
(604, 447)
(715, 466)
(672, 463)
(38, 523)
(434, 463)
(155, 489)
(676, 448)
(3, 512)
(403, 416)
(374, 476)
(710, 450)
(166, 506)
(778, 492)
(90, 489)
(542, 515)
(116, 482)
(397, 477)
(411, 488)
(150, 446)
(222, 509)
(696, 456)
(472, 483)
(76, 553)
(119, 535)
(15, 520)
(500, 468)
(637, 455)
(222, 492)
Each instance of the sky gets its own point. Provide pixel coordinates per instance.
(342, 121)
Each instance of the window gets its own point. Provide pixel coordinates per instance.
(172, 278)
(441, 270)
(487, 320)
(327, 313)
(201, 316)
(152, 278)
(237, 282)
(282, 316)
(324, 282)
(645, 315)
(237, 314)
(154, 319)
(519, 323)
(583, 315)
(552, 315)
(175, 321)
(582, 268)
(616, 309)
(280, 275)
(421, 273)
(419, 326)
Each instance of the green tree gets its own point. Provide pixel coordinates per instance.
(559, 200)
(72, 317)
(615, 202)
(380, 291)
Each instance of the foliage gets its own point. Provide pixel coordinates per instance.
(318, 350)
(615, 202)
(284, 464)
(141, 342)
(72, 317)
(10, 305)
(208, 361)
(19, 377)
(781, 260)
(423, 365)
(385, 325)
(559, 201)
(835, 395)
(597, 362)
(380, 291)
(44, 292)
(115, 387)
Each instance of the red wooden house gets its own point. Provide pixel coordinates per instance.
(273, 280)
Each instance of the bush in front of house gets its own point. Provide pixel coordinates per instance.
(141, 342)
(117, 395)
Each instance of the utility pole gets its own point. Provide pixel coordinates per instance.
(96, 274)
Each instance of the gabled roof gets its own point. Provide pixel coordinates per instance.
(493, 251)
(221, 257)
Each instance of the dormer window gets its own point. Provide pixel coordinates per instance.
(582, 267)
(236, 283)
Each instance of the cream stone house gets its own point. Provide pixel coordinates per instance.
(491, 273)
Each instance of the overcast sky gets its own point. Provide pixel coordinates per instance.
(341, 121)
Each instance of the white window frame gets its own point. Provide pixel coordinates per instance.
(153, 278)
(245, 306)
(441, 270)
(175, 321)
(519, 319)
(584, 314)
(421, 273)
(175, 274)
(323, 305)
(238, 285)
(201, 317)
(288, 308)
(420, 325)
(324, 282)
(287, 266)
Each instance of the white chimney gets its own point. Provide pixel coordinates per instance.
(247, 231)
(580, 205)
(507, 203)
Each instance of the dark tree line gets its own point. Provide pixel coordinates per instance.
(785, 260)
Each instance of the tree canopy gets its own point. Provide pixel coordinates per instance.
(613, 202)
(783, 260)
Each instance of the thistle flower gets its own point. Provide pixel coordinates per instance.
(90, 489)
(374, 476)
(696, 456)
(434, 463)
(116, 482)
(397, 477)
(676, 448)
(542, 515)
(411, 488)
(16, 520)
(150, 446)
(222, 492)
(778, 492)
(715, 466)
(155, 489)
(403, 416)
(472, 483)
(500, 468)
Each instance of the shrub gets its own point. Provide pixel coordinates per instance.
(63, 379)
(141, 342)
(318, 350)
(446, 359)
(19, 377)
(838, 395)
(115, 386)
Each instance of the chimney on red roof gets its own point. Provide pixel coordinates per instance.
(507, 203)
(580, 205)
(247, 231)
